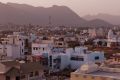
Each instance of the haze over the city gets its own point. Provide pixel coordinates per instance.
(81, 7)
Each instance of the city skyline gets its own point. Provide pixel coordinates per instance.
(81, 7)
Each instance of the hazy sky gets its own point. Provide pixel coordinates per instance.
(81, 7)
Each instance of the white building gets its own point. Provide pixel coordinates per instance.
(39, 47)
(99, 32)
(10, 51)
(113, 39)
(81, 55)
(74, 58)
(92, 33)
(58, 61)
(17, 40)
(60, 58)
(32, 37)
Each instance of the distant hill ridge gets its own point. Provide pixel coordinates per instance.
(27, 14)
(107, 17)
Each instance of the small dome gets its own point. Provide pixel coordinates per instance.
(88, 68)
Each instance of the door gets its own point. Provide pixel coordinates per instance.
(17, 78)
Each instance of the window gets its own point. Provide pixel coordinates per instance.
(50, 61)
(97, 58)
(85, 51)
(31, 74)
(33, 48)
(77, 58)
(59, 43)
(22, 43)
(22, 50)
(36, 48)
(36, 73)
(17, 77)
(43, 49)
(57, 60)
(56, 67)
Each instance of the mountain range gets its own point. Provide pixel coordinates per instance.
(60, 15)
(113, 19)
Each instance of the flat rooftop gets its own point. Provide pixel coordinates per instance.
(114, 75)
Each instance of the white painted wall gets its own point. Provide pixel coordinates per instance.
(12, 51)
(41, 48)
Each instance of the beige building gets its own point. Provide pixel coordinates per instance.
(13, 70)
(93, 72)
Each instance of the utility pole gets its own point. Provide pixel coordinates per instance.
(50, 22)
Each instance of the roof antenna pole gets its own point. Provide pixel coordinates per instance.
(50, 23)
